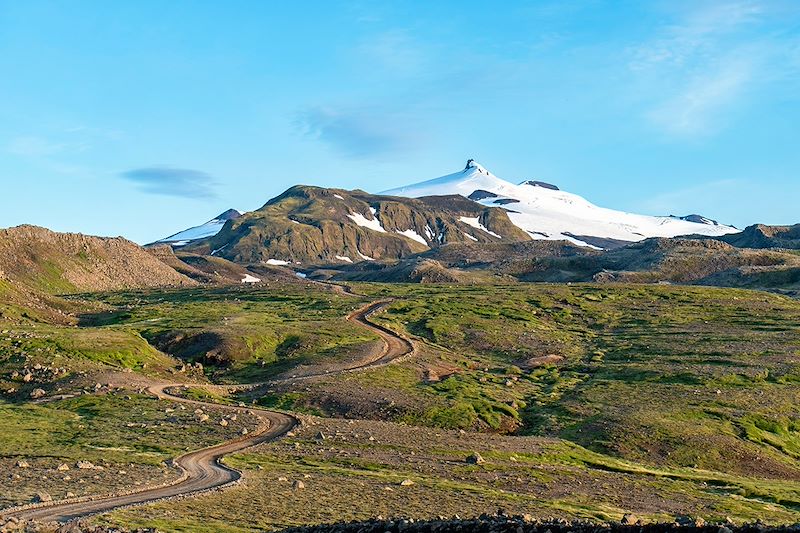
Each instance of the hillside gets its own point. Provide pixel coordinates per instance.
(57, 263)
(311, 225)
(463, 263)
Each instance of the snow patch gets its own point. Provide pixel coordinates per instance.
(300, 275)
(277, 262)
(215, 252)
(468, 236)
(338, 196)
(475, 223)
(365, 257)
(364, 222)
(413, 235)
(209, 229)
(344, 258)
(250, 279)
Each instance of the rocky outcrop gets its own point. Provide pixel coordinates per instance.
(763, 236)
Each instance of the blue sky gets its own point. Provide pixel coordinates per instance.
(143, 118)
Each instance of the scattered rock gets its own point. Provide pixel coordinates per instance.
(406, 483)
(244, 431)
(223, 423)
(203, 417)
(63, 467)
(688, 521)
(298, 485)
(22, 464)
(85, 465)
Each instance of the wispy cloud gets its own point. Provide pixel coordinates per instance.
(698, 68)
(358, 133)
(170, 181)
(695, 34)
(36, 146)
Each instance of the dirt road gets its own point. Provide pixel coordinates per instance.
(202, 469)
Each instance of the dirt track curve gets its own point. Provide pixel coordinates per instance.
(202, 469)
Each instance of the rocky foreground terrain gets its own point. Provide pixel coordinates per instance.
(497, 523)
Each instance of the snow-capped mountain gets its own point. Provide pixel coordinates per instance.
(209, 229)
(545, 212)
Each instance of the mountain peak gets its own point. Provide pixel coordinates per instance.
(471, 163)
(230, 214)
(475, 167)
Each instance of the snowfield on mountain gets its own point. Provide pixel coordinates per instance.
(548, 213)
(209, 229)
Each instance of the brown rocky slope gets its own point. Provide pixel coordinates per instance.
(59, 263)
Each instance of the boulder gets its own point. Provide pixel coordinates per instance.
(406, 483)
(475, 459)
(37, 393)
(42, 497)
(298, 485)
(629, 520)
(22, 463)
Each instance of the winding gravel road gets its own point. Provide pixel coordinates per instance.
(202, 469)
